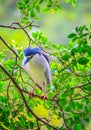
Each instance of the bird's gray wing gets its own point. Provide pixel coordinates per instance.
(48, 76)
(45, 55)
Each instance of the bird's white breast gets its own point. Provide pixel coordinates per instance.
(36, 69)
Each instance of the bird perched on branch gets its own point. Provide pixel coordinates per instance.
(36, 64)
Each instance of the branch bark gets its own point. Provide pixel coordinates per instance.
(81, 86)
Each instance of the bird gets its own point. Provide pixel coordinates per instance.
(36, 64)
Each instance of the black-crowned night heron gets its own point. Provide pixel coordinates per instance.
(36, 64)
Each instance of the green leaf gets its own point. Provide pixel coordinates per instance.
(89, 37)
(34, 34)
(62, 102)
(88, 50)
(84, 100)
(90, 26)
(46, 9)
(30, 27)
(85, 42)
(84, 35)
(44, 39)
(77, 29)
(67, 1)
(49, 4)
(41, 1)
(77, 127)
(37, 18)
(24, 20)
(59, 6)
(65, 57)
(26, 1)
(74, 62)
(81, 28)
(38, 8)
(83, 61)
(73, 51)
(50, 95)
(71, 35)
(20, 5)
(32, 13)
(74, 3)
(81, 49)
(75, 38)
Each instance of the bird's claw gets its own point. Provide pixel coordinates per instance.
(31, 94)
(44, 97)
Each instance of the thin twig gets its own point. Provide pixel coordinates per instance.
(81, 86)
(12, 75)
(12, 27)
(82, 97)
(9, 47)
(63, 116)
(23, 79)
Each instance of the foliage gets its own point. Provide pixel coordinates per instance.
(68, 105)
(30, 9)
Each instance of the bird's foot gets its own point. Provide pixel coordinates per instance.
(31, 94)
(44, 97)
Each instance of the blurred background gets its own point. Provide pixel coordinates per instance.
(55, 26)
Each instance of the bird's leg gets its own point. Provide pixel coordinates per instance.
(44, 89)
(32, 93)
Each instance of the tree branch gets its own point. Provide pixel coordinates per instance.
(81, 86)
(11, 27)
